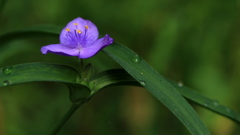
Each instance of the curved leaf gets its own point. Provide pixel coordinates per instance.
(158, 86)
(42, 72)
(121, 77)
(37, 31)
(54, 31)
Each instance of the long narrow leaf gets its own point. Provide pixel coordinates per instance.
(37, 72)
(31, 72)
(54, 31)
(121, 77)
(38, 31)
(158, 86)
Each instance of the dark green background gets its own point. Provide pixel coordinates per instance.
(196, 42)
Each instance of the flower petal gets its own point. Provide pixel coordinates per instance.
(79, 31)
(91, 50)
(60, 50)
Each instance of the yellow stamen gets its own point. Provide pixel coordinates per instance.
(67, 29)
(78, 31)
(86, 27)
(75, 23)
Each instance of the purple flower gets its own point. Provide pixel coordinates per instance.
(79, 38)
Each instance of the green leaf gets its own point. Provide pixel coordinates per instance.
(158, 86)
(186, 92)
(37, 31)
(121, 77)
(43, 72)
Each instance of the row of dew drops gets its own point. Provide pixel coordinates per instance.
(216, 104)
(227, 110)
(136, 59)
(6, 71)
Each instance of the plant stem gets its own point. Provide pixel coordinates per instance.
(65, 118)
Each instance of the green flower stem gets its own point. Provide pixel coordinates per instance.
(65, 118)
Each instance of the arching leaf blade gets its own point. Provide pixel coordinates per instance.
(38, 72)
(158, 86)
(32, 72)
(121, 77)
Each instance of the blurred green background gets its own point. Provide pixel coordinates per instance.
(196, 42)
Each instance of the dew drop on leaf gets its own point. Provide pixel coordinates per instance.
(143, 83)
(7, 70)
(180, 84)
(228, 110)
(6, 83)
(215, 103)
(136, 59)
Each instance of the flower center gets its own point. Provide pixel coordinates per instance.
(77, 37)
(86, 27)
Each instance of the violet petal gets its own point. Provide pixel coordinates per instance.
(60, 49)
(79, 31)
(78, 38)
(92, 49)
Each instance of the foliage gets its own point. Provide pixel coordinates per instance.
(195, 42)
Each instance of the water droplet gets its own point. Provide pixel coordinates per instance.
(228, 110)
(215, 103)
(143, 83)
(6, 83)
(142, 73)
(180, 84)
(7, 70)
(136, 59)
(206, 104)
